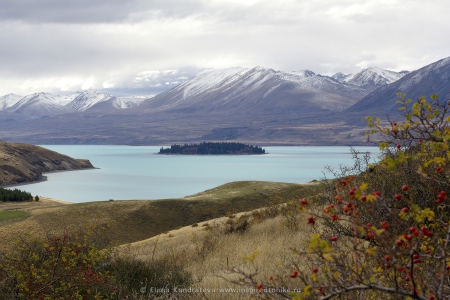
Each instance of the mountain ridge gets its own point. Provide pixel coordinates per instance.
(431, 79)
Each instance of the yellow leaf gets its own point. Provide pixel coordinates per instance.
(371, 250)
(364, 187)
(378, 232)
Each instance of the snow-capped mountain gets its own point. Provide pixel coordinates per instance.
(66, 99)
(431, 79)
(258, 89)
(87, 99)
(38, 104)
(9, 100)
(370, 78)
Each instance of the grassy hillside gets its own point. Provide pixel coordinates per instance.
(20, 163)
(136, 220)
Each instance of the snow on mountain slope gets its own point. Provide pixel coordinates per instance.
(425, 71)
(38, 104)
(262, 88)
(87, 99)
(66, 99)
(9, 100)
(209, 80)
(431, 79)
(371, 78)
(339, 76)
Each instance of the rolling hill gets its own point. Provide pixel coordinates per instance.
(22, 163)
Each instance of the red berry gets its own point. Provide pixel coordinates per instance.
(447, 267)
(416, 256)
(311, 221)
(408, 237)
(363, 198)
(398, 196)
(399, 146)
(304, 202)
(378, 194)
(400, 243)
(334, 238)
(395, 123)
(412, 229)
(405, 210)
(404, 188)
(420, 140)
(443, 193)
(294, 274)
(259, 286)
(439, 169)
(334, 217)
(416, 261)
(370, 236)
(315, 270)
(387, 257)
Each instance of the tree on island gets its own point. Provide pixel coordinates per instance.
(222, 148)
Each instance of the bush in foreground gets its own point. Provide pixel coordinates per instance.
(81, 265)
(387, 228)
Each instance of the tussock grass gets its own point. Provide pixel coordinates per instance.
(136, 220)
(211, 255)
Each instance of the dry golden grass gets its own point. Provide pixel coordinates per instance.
(132, 221)
(212, 266)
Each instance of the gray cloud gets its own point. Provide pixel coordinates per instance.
(53, 45)
(98, 11)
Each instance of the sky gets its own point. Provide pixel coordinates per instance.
(143, 47)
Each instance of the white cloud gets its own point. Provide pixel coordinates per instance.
(140, 45)
(88, 83)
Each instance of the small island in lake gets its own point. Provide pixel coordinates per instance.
(223, 148)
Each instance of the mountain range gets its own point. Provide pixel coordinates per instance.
(220, 89)
(259, 105)
(44, 104)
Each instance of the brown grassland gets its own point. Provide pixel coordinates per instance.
(136, 220)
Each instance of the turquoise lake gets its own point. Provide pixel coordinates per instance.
(131, 172)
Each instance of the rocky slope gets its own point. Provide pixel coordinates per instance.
(22, 163)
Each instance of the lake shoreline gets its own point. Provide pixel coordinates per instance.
(43, 178)
(139, 173)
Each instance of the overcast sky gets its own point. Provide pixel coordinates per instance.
(142, 47)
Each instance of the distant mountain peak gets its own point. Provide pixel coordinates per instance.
(370, 78)
(9, 100)
(431, 79)
(88, 98)
(339, 75)
(38, 104)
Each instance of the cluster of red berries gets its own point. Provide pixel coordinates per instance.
(369, 231)
(441, 197)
